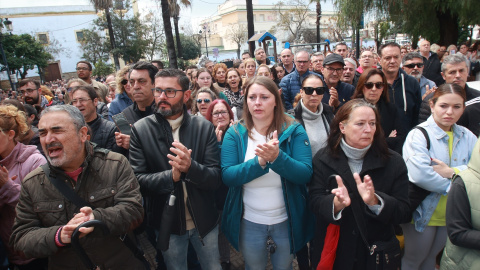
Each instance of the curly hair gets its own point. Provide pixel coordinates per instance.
(119, 78)
(11, 118)
(217, 67)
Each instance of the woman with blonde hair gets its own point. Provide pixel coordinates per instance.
(124, 96)
(16, 161)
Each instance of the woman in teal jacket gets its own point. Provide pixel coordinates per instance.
(266, 163)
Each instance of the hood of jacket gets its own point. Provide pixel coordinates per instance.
(19, 154)
(474, 163)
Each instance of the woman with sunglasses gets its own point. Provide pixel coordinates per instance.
(202, 101)
(204, 79)
(372, 86)
(315, 117)
(124, 96)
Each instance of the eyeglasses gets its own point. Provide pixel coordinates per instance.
(217, 114)
(170, 93)
(419, 65)
(82, 68)
(367, 56)
(319, 90)
(378, 85)
(206, 100)
(29, 91)
(80, 100)
(124, 82)
(337, 70)
(301, 62)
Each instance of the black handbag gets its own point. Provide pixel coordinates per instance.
(382, 255)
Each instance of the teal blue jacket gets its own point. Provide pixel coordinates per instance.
(293, 164)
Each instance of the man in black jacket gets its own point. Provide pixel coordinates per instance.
(454, 70)
(172, 152)
(102, 131)
(404, 90)
(432, 69)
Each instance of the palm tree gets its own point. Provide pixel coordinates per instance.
(174, 13)
(251, 26)
(105, 5)
(172, 58)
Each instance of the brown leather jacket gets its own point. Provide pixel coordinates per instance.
(108, 183)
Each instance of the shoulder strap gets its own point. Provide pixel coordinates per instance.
(424, 134)
(356, 202)
(67, 192)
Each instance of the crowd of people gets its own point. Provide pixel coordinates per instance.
(321, 157)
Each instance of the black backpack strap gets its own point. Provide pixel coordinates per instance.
(424, 134)
(66, 191)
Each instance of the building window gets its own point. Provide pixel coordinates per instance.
(254, 17)
(79, 35)
(43, 38)
(262, 17)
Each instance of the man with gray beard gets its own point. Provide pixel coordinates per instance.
(174, 153)
(413, 66)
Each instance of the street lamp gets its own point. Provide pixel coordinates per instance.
(9, 27)
(205, 30)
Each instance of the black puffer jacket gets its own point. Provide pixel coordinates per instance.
(150, 142)
(433, 69)
(103, 132)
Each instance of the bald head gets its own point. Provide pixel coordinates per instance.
(287, 57)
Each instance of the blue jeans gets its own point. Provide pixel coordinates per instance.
(176, 255)
(253, 245)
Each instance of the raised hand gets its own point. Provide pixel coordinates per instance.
(333, 101)
(366, 189)
(342, 198)
(268, 152)
(181, 161)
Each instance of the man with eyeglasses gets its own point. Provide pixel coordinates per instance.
(141, 77)
(287, 61)
(317, 62)
(84, 72)
(366, 61)
(291, 83)
(431, 61)
(32, 93)
(413, 65)
(102, 131)
(174, 153)
(338, 92)
(403, 90)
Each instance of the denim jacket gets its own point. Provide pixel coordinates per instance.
(420, 170)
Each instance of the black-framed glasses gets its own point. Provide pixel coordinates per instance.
(170, 93)
(205, 100)
(419, 65)
(378, 85)
(29, 91)
(124, 82)
(217, 114)
(337, 70)
(319, 90)
(80, 100)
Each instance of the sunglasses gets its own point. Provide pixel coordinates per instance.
(204, 100)
(124, 82)
(419, 65)
(318, 90)
(378, 85)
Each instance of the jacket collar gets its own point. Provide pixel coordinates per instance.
(440, 133)
(186, 116)
(241, 128)
(371, 161)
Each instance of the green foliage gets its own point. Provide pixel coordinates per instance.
(24, 53)
(129, 34)
(103, 69)
(95, 47)
(190, 48)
